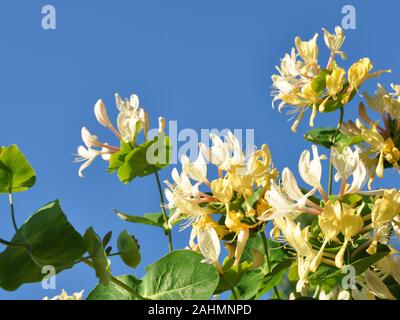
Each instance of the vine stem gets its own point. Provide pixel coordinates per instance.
(164, 214)
(266, 248)
(10, 196)
(334, 142)
(118, 283)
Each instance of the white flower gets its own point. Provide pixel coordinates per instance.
(64, 296)
(334, 41)
(345, 163)
(129, 122)
(87, 155)
(224, 155)
(209, 243)
(100, 112)
(196, 170)
(89, 139)
(311, 170)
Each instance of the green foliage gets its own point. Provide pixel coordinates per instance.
(95, 248)
(180, 275)
(48, 239)
(328, 137)
(128, 249)
(139, 161)
(16, 174)
(152, 219)
(113, 291)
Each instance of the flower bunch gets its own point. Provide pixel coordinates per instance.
(382, 142)
(340, 220)
(131, 120)
(303, 84)
(230, 197)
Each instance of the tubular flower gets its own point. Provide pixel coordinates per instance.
(302, 84)
(131, 121)
(298, 239)
(241, 178)
(329, 222)
(351, 224)
(372, 286)
(385, 209)
(335, 41)
(379, 146)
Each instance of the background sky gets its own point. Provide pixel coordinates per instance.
(206, 64)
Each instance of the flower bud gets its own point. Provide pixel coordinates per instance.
(100, 112)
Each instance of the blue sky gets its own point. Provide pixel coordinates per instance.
(205, 64)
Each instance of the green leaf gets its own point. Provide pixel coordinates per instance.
(273, 278)
(50, 240)
(16, 174)
(95, 248)
(145, 159)
(152, 219)
(364, 263)
(249, 283)
(117, 159)
(180, 275)
(128, 249)
(326, 136)
(113, 291)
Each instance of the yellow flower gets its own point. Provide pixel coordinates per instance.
(385, 209)
(312, 98)
(308, 50)
(351, 224)
(233, 223)
(335, 41)
(335, 80)
(329, 222)
(222, 190)
(358, 72)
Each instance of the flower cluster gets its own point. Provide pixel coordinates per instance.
(131, 120)
(302, 83)
(231, 195)
(342, 219)
(382, 142)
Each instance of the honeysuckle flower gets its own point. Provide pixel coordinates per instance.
(208, 234)
(87, 156)
(379, 147)
(308, 50)
(351, 224)
(298, 239)
(376, 286)
(131, 120)
(390, 265)
(196, 170)
(218, 153)
(222, 190)
(311, 170)
(335, 41)
(345, 162)
(101, 114)
(329, 222)
(89, 139)
(335, 81)
(233, 223)
(359, 72)
(386, 207)
(64, 296)
(239, 177)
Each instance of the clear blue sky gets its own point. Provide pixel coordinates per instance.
(206, 64)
